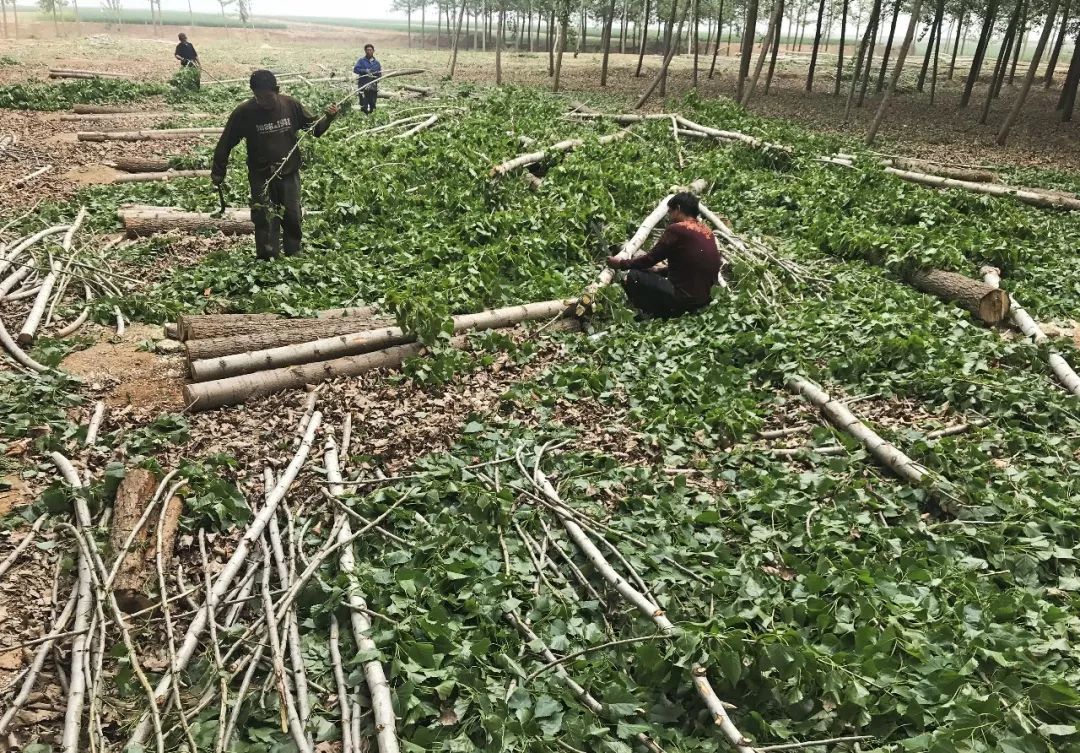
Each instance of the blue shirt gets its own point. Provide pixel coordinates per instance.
(368, 69)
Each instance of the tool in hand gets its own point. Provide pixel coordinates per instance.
(221, 199)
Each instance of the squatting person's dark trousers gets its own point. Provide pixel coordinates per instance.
(276, 212)
(368, 97)
(654, 294)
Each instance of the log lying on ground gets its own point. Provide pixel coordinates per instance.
(134, 580)
(141, 220)
(90, 117)
(985, 302)
(76, 73)
(1026, 195)
(839, 416)
(102, 109)
(423, 91)
(239, 389)
(562, 146)
(148, 135)
(365, 342)
(139, 164)
(207, 326)
(968, 174)
(161, 176)
(1026, 324)
(301, 330)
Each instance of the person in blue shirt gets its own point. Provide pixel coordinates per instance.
(369, 71)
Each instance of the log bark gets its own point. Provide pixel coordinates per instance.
(302, 330)
(89, 117)
(134, 580)
(558, 148)
(364, 342)
(139, 220)
(139, 165)
(148, 135)
(1029, 79)
(901, 56)
(1026, 195)
(973, 175)
(212, 326)
(152, 177)
(987, 303)
(102, 109)
(74, 73)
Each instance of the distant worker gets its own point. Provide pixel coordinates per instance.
(185, 53)
(693, 260)
(269, 122)
(369, 71)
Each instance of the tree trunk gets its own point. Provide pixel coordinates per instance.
(770, 38)
(937, 56)
(956, 46)
(1025, 195)
(609, 20)
(900, 58)
(747, 53)
(719, 33)
(1067, 100)
(564, 25)
(863, 46)
(772, 60)
(206, 328)
(286, 332)
(134, 584)
(696, 28)
(987, 303)
(667, 60)
(935, 34)
(140, 221)
(140, 164)
(644, 39)
(1050, 66)
(1018, 44)
(552, 37)
(457, 37)
(1014, 113)
(624, 25)
(670, 45)
(1002, 63)
(980, 52)
(423, 24)
(840, 54)
(817, 44)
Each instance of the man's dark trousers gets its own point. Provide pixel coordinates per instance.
(368, 97)
(654, 294)
(275, 211)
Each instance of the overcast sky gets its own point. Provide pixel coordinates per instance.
(339, 8)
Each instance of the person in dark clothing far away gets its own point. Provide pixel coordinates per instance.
(693, 260)
(270, 121)
(369, 71)
(185, 53)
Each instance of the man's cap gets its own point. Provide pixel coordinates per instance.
(263, 80)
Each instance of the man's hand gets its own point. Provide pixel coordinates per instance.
(332, 111)
(217, 180)
(616, 263)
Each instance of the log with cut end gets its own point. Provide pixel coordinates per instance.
(76, 73)
(89, 117)
(148, 135)
(102, 109)
(355, 343)
(139, 164)
(212, 326)
(1026, 195)
(161, 176)
(134, 581)
(985, 302)
(969, 174)
(145, 220)
(288, 332)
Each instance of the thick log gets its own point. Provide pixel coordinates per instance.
(355, 343)
(1026, 195)
(139, 164)
(985, 302)
(971, 175)
(100, 109)
(75, 73)
(161, 176)
(290, 332)
(212, 326)
(143, 220)
(90, 117)
(134, 581)
(148, 135)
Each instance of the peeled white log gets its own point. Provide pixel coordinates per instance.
(95, 424)
(719, 713)
(148, 135)
(110, 109)
(162, 176)
(716, 133)
(27, 178)
(839, 416)
(1026, 324)
(77, 73)
(364, 342)
(141, 220)
(18, 353)
(562, 146)
(224, 579)
(12, 280)
(419, 127)
(33, 319)
(13, 253)
(1028, 196)
(637, 240)
(374, 676)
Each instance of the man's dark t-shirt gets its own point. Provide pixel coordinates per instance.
(270, 134)
(186, 51)
(693, 260)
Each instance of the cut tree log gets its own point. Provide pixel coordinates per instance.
(161, 176)
(141, 220)
(102, 109)
(1026, 195)
(139, 164)
(1026, 324)
(135, 579)
(970, 175)
(76, 73)
(207, 326)
(365, 342)
(302, 330)
(557, 148)
(839, 416)
(89, 117)
(985, 302)
(148, 135)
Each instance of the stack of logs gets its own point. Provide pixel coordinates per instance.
(233, 358)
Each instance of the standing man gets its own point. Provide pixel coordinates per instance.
(185, 53)
(369, 71)
(693, 260)
(269, 121)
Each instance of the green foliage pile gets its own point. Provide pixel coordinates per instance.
(821, 595)
(35, 95)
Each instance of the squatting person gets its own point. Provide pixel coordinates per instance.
(368, 71)
(693, 261)
(269, 121)
(186, 54)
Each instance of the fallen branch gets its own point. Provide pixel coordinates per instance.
(557, 148)
(161, 134)
(160, 176)
(719, 713)
(27, 178)
(21, 547)
(1026, 195)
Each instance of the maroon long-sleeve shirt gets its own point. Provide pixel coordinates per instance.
(692, 257)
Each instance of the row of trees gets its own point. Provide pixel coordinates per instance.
(112, 9)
